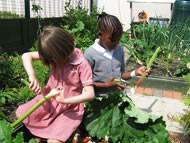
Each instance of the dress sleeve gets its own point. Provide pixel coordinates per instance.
(85, 72)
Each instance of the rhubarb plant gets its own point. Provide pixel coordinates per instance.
(6, 134)
(6, 130)
(134, 87)
(118, 117)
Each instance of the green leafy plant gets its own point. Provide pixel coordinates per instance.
(185, 119)
(171, 39)
(145, 39)
(11, 71)
(81, 14)
(183, 50)
(8, 14)
(6, 134)
(8, 95)
(37, 8)
(3, 116)
(118, 117)
(83, 27)
(82, 41)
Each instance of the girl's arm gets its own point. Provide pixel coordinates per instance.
(27, 59)
(87, 95)
(110, 83)
(138, 71)
(126, 75)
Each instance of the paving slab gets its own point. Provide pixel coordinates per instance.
(161, 106)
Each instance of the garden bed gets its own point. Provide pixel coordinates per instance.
(159, 79)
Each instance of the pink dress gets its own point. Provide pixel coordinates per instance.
(53, 120)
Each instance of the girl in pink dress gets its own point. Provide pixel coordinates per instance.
(71, 74)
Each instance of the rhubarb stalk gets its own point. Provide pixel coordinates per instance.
(143, 76)
(52, 93)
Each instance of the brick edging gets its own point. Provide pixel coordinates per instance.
(159, 93)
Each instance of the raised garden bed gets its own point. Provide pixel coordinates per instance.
(163, 83)
(159, 79)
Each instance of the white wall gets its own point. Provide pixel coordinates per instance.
(121, 9)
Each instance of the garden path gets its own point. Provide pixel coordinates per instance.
(161, 103)
(165, 107)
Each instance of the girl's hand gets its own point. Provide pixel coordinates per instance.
(143, 69)
(60, 97)
(111, 83)
(34, 84)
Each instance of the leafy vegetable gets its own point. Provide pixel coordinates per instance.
(144, 74)
(117, 117)
(6, 134)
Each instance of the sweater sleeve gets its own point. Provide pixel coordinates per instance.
(88, 56)
(122, 62)
(85, 72)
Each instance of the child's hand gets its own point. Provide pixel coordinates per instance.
(143, 69)
(34, 84)
(60, 97)
(111, 83)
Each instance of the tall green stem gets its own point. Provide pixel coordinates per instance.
(148, 66)
(52, 93)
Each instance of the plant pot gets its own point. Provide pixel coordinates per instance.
(179, 138)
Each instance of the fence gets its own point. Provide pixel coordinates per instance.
(50, 8)
(18, 33)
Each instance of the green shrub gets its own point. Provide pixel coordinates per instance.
(172, 40)
(185, 119)
(8, 14)
(81, 24)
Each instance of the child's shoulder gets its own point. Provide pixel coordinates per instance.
(119, 48)
(89, 50)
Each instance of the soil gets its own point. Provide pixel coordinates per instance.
(158, 69)
(9, 111)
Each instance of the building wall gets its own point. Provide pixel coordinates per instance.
(126, 14)
(51, 8)
(119, 8)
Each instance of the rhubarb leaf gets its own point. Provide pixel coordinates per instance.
(19, 138)
(117, 117)
(5, 132)
(140, 115)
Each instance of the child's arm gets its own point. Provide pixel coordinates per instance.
(110, 83)
(27, 59)
(87, 95)
(138, 71)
